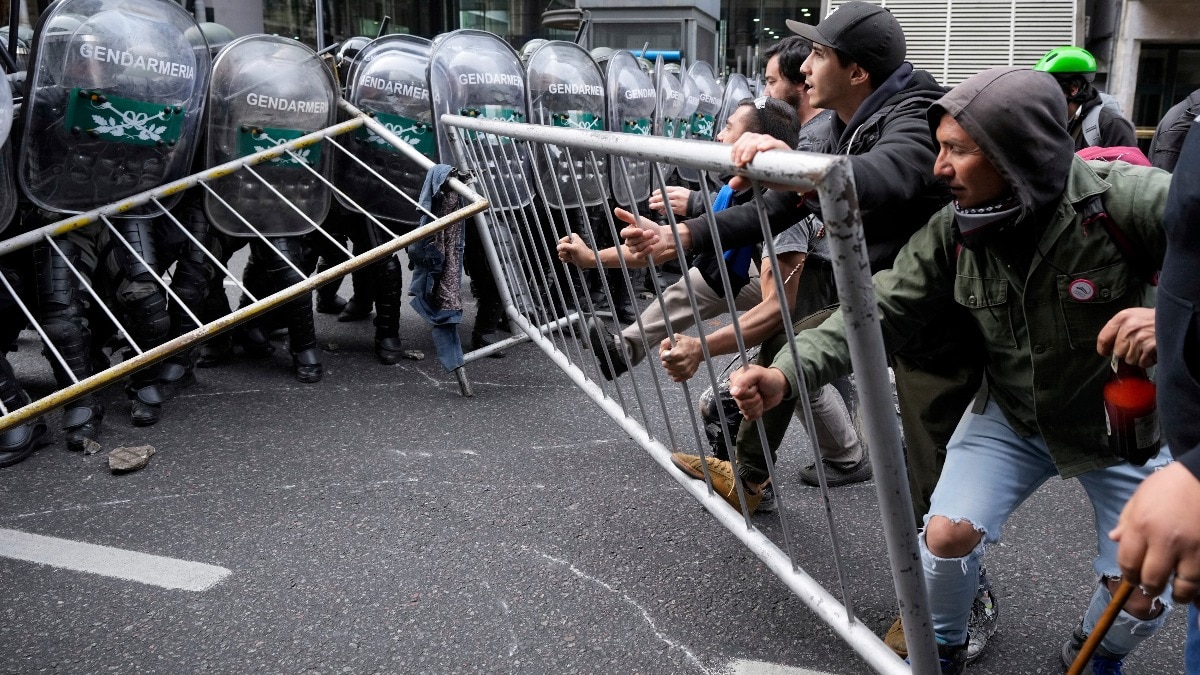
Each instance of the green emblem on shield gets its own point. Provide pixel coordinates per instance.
(578, 119)
(258, 139)
(702, 126)
(499, 113)
(639, 126)
(123, 120)
(681, 127)
(417, 134)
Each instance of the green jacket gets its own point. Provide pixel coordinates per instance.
(1042, 365)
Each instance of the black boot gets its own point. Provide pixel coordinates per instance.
(253, 340)
(176, 374)
(307, 365)
(215, 351)
(81, 423)
(145, 397)
(20, 441)
(389, 350)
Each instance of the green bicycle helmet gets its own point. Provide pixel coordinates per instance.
(1068, 61)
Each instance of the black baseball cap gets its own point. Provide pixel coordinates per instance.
(868, 33)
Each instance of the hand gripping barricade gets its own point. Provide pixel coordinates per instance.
(631, 103)
(116, 95)
(566, 89)
(388, 83)
(700, 85)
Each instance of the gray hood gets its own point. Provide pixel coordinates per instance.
(1017, 116)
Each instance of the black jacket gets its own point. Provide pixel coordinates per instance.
(892, 156)
(1177, 312)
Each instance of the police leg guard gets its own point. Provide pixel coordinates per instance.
(389, 285)
(19, 442)
(146, 308)
(302, 334)
(63, 311)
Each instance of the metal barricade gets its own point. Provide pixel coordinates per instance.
(330, 137)
(549, 301)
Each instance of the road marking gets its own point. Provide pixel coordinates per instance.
(110, 562)
(744, 667)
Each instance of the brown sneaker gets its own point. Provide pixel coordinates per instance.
(895, 639)
(722, 479)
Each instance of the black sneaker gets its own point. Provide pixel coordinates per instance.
(605, 343)
(768, 505)
(952, 658)
(836, 475)
(984, 619)
(1103, 661)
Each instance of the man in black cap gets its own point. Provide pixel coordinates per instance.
(857, 69)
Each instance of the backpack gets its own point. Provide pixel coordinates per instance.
(1091, 121)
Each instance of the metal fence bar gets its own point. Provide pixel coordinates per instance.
(475, 205)
(833, 180)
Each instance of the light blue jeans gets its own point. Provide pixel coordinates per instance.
(1192, 651)
(990, 470)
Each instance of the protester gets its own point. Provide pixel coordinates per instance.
(626, 350)
(857, 69)
(1040, 287)
(1159, 530)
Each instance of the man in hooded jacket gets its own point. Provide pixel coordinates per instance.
(1040, 287)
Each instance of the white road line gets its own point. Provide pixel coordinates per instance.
(743, 667)
(110, 562)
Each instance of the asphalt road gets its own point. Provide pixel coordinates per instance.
(379, 522)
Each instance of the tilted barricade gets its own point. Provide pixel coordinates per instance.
(661, 417)
(331, 140)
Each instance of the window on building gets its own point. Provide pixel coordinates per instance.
(1166, 75)
(634, 35)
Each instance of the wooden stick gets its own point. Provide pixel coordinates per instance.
(1102, 626)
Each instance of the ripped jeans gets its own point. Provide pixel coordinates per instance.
(990, 470)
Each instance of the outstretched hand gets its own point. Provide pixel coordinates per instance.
(757, 389)
(644, 238)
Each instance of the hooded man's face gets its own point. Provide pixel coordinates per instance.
(972, 178)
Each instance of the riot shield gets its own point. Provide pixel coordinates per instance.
(477, 74)
(631, 103)
(668, 115)
(8, 186)
(388, 83)
(701, 85)
(267, 90)
(736, 89)
(116, 95)
(566, 89)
